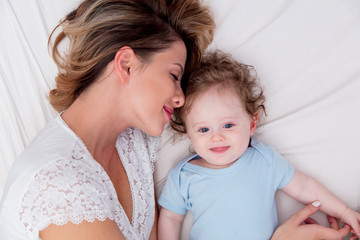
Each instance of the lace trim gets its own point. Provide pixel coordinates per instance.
(76, 219)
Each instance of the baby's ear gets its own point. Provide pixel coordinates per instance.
(253, 123)
(124, 61)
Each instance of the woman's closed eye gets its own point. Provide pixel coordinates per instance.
(175, 77)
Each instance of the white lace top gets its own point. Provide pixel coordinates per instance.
(56, 180)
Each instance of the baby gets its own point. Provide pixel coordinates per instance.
(229, 185)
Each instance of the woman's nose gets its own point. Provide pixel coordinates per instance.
(179, 98)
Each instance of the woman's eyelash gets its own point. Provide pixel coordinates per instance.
(175, 77)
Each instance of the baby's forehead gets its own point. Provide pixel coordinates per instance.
(218, 90)
(203, 98)
(208, 100)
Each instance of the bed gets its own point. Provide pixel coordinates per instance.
(307, 57)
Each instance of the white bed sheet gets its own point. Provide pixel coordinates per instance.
(26, 72)
(307, 56)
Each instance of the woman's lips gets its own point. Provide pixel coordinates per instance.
(219, 149)
(168, 111)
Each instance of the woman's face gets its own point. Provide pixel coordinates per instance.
(158, 89)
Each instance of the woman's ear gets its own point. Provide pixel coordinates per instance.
(123, 62)
(253, 123)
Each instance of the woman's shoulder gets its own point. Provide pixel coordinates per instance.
(66, 190)
(70, 189)
(53, 178)
(57, 158)
(52, 143)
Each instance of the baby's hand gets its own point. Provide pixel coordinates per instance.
(352, 218)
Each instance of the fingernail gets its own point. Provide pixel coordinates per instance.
(316, 203)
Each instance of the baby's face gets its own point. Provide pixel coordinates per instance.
(219, 128)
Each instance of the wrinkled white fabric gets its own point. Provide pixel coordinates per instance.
(72, 186)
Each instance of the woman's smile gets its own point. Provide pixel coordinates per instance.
(168, 111)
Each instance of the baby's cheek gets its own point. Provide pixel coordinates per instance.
(198, 146)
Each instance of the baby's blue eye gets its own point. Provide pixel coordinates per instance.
(203, 130)
(229, 125)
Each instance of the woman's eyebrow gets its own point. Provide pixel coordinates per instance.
(181, 68)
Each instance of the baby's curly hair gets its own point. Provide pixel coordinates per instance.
(221, 70)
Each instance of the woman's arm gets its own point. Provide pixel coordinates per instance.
(306, 190)
(96, 230)
(294, 228)
(169, 225)
(154, 231)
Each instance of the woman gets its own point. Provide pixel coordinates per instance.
(117, 86)
(121, 73)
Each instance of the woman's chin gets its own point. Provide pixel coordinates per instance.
(155, 132)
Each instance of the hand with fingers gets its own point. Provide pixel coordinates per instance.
(334, 224)
(294, 229)
(352, 218)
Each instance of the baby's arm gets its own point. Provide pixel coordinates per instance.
(306, 190)
(169, 225)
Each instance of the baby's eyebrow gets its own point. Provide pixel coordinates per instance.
(198, 123)
(231, 118)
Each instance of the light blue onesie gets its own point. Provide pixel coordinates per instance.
(237, 202)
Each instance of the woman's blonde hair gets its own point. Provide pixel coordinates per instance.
(220, 70)
(97, 29)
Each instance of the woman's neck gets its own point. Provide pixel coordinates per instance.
(96, 126)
